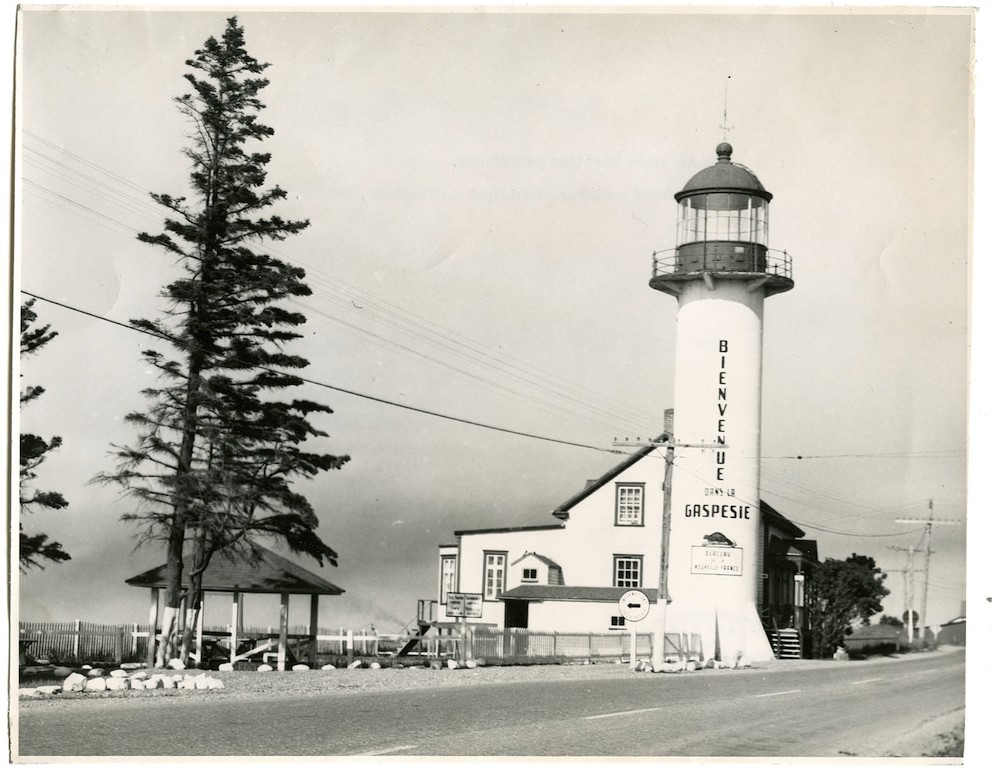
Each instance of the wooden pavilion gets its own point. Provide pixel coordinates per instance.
(270, 574)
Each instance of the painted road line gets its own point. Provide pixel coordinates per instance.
(777, 693)
(621, 714)
(385, 751)
(869, 680)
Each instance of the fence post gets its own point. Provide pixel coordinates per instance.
(554, 645)
(119, 644)
(76, 640)
(350, 646)
(134, 641)
(590, 647)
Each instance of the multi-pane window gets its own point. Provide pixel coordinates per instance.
(447, 577)
(494, 574)
(627, 570)
(530, 574)
(630, 504)
(616, 622)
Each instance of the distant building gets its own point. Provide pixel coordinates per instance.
(569, 575)
(953, 632)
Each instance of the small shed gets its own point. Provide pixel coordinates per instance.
(268, 574)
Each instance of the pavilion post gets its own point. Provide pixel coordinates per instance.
(283, 630)
(199, 631)
(152, 627)
(235, 621)
(312, 655)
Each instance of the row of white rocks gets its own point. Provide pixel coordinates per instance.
(121, 680)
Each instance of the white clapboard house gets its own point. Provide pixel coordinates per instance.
(568, 575)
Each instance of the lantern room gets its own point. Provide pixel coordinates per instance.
(722, 231)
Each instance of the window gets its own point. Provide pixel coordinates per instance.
(630, 504)
(447, 577)
(627, 570)
(530, 574)
(494, 574)
(617, 622)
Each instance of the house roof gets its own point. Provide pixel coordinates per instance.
(270, 574)
(474, 531)
(551, 592)
(805, 548)
(546, 560)
(776, 518)
(561, 511)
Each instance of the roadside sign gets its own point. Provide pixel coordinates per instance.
(634, 605)
(466, 605)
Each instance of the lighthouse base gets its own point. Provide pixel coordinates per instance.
(729, 633)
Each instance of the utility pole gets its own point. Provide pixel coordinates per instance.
(929, 523)
(908, 587)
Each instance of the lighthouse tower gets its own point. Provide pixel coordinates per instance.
(720, 271)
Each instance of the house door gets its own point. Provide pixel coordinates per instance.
(515, 615)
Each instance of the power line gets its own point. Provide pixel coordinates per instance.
(332, 387)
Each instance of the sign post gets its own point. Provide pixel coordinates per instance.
(634, 606)
(465, 605)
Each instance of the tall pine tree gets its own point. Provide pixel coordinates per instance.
(220, 445)
(35, 549)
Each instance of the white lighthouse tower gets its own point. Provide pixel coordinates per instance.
(720, 271)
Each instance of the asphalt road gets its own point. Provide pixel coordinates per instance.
(855, 708)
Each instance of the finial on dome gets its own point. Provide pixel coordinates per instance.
(723, 152)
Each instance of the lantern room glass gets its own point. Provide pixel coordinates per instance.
(723, 216)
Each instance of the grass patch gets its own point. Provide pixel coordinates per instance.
(948, 744)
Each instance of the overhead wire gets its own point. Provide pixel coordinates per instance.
(394, 318)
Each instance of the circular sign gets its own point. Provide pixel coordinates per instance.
(634, 605)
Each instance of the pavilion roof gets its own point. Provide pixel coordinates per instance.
(269, 574)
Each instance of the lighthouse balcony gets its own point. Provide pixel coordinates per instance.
(725, 259)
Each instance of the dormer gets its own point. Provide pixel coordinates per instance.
(532, 568)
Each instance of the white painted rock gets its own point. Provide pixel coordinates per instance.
(86, 666)
(452, 664)
(214, 684)
(355, 664)
(690, 666)
(137, 684)
(96, 684)
(118, 673)
(24, 693)
(226, 667)
(264, 668)
(95, 672)
(201, 683)
(140, 675)
(375, 665)
(48, 690)
(328, 667)
(300, 668)
(132, 665)
(471, 664)
(74, 682)
(116, 683)
(167, 682)
(175, 664)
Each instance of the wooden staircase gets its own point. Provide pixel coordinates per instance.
(786, 643)
(422, 629)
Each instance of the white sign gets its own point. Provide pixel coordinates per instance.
(718, 561)
(465, 605)
(634, 605)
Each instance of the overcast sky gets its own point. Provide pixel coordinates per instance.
(485, 192)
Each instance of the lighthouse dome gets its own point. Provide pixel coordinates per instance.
(724, 176)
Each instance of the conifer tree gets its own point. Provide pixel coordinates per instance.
(220, 445)
(34, 549)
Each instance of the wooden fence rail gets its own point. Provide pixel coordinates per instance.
(80, 641)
